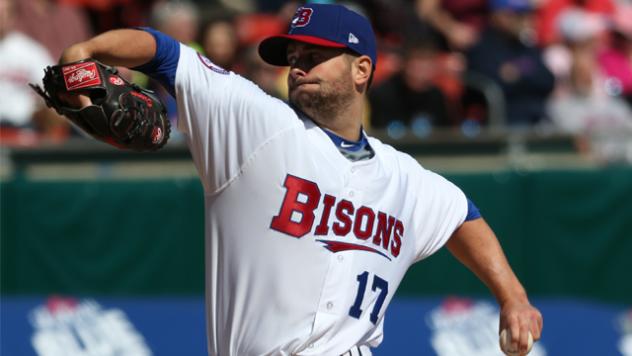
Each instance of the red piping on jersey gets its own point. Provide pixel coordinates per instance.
(337, 246)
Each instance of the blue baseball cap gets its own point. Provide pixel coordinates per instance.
(326, 25)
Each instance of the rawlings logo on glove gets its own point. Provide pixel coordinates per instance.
(122, 113)
(80, 76)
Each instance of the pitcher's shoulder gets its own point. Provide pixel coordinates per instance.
(392, 156)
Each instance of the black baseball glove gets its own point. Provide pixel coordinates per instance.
(122, 113)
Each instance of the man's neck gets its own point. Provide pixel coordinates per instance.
(349, 130)
(346, 123)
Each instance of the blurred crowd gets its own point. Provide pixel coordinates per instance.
(464, 65)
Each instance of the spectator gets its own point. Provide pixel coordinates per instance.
(178, 19)
(458, 22)
(581, 33)
(506, 55)
(587, 106)
(548, 13)
(584, 104)
(219, 41)
(616, 59)
(411, 96)
(22, 61)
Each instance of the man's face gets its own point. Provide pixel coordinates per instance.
(420, 69)
(320, 80)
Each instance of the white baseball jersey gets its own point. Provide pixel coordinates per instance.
(304, 248)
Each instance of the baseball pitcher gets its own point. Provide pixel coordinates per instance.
(310, 223)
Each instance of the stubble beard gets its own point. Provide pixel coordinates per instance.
(325, 104)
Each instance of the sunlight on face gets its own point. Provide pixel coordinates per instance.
(320, 81)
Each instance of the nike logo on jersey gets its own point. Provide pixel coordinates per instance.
(374, 231)
(346, 145)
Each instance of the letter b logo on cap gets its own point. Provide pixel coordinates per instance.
(302, 16)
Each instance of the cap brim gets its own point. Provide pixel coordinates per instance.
(273, 49)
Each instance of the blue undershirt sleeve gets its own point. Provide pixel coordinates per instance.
(165, 62)
(472, 211)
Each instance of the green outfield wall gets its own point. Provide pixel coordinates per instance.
(566, 233)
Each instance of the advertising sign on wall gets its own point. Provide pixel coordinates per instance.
(73, 326)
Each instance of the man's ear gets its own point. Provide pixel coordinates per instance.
(362, 69)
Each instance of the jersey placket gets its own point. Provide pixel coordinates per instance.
(339, 287)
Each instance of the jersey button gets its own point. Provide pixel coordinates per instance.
(340, 258)
(330, 305)
(351, 193)
(353, 169)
